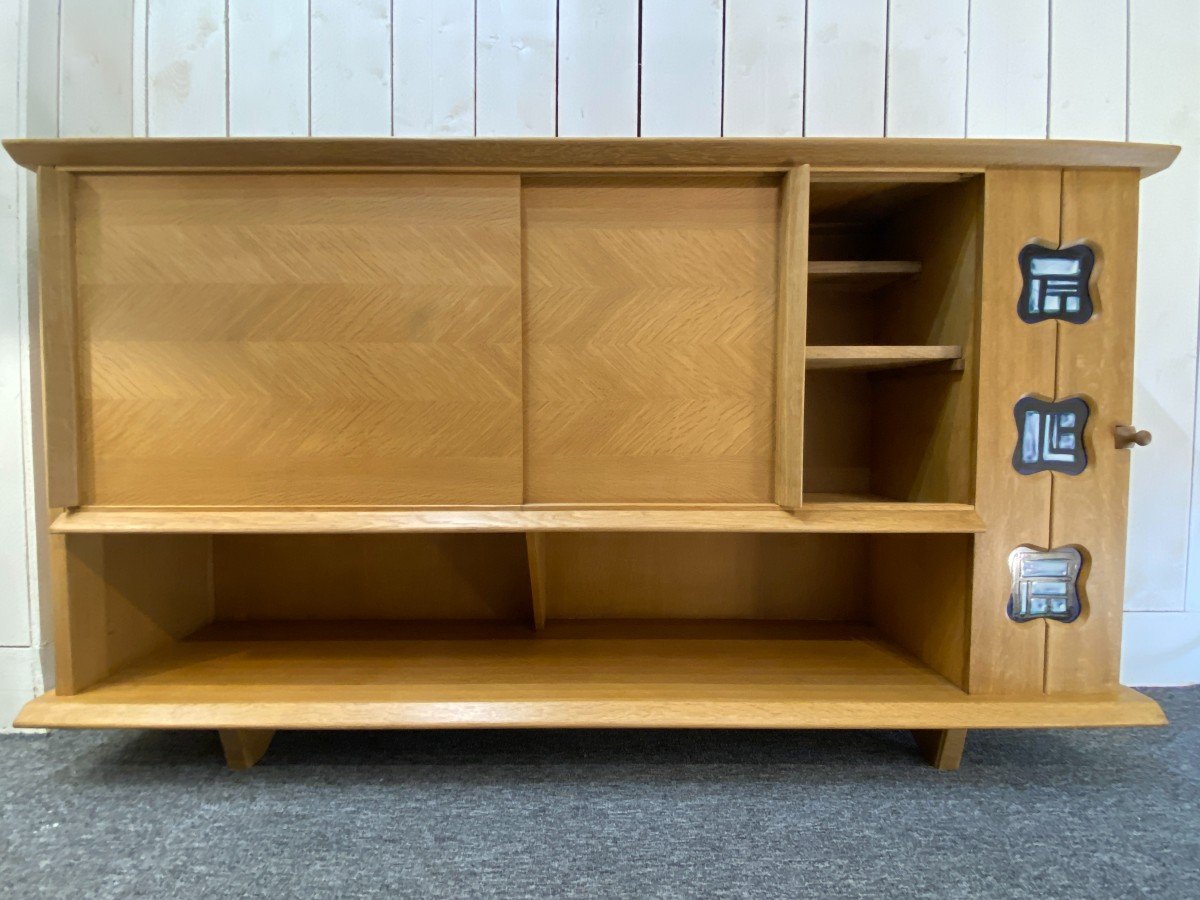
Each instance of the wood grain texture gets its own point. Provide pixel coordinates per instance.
(837, 515)
(59, 347)
(535, 551)
(1015, 359)
(300, 339)
(650, 339)
(119, 597)
(919, 589)
(791, 332)
(747, 675)
(1095, 360)
(885, 356)
(942, 747)
(370, 576)
(706, 576)
(523, 154)
(243, 747)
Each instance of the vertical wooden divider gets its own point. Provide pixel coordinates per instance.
(535, 547)
(58, 334)
(1095, 361)
(791, 338)
(1015, 359)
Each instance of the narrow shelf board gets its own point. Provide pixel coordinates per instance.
(859, 275)
(826, 517)
(572, 675)
(868, 357)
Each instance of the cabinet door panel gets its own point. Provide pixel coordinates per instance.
(299, 339)
(650, 338)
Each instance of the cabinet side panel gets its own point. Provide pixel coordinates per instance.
(300, 339)
(1015, 359)
(1095, 361)
(120, 597)
(650, 338)
(58, 334)
(791, 332)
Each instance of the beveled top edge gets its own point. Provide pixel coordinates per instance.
(583, 153)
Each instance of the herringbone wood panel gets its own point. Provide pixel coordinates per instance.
(650, 338)
(299, 339)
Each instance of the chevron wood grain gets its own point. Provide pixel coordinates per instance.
(650, 338)
(299, 339)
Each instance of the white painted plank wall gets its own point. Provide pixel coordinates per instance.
(515, 76)
(682, 56)
(186, 63)
(764, 68)
(351, 67)
(433, 68)
(984, 68)
(597, 68)
(846, 68)
(268, 67)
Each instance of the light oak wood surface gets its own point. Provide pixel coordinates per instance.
(1015, 360)
(299, 339)
(526, 154)
(244, 747)
(837, 515)
(573, 675)
(1095, 360)
(863, 358)
(791, 332)
(650, 308)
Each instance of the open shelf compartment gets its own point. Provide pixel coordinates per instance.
(387, 631)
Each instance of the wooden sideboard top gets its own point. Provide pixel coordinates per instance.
(548, 154)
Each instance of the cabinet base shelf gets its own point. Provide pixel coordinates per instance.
(572, 675)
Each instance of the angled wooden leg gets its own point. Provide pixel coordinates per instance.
(245, 746)
(942, 747)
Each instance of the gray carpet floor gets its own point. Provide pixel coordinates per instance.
(1092, 814)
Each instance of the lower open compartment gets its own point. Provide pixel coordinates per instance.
(421, 630)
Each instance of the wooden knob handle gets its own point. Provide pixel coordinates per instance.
(1127, 436)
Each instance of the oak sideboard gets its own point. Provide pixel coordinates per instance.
(749, 433)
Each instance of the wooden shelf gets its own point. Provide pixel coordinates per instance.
(869, 357)
(573, 674)
(828, 514)
(860, 275)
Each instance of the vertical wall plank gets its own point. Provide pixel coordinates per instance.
(1008, 69)
(681, 68)
(14, 596)
(96, 75)
(846, 73)
(185, 77)
(141, 29)
(351, 67)
(433, 67)
(597, 68)
(514, 68)
(268, 67)
(927, 68)
(1163, 58)
(41, 70)
(764, 67)
(1087, 69)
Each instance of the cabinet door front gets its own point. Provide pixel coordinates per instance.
(650, 338)
(299, 339)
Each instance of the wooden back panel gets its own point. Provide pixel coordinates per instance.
(650, 338)
(299, 339)
(706, 576)
(371, 576)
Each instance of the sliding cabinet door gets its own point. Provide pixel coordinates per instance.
(298, 339)
(650, 322)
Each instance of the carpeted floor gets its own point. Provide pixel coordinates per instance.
(1093, 814)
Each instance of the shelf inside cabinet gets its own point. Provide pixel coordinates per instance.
(572, 674)
(867, 357)
(859, 275)
(836, 515)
